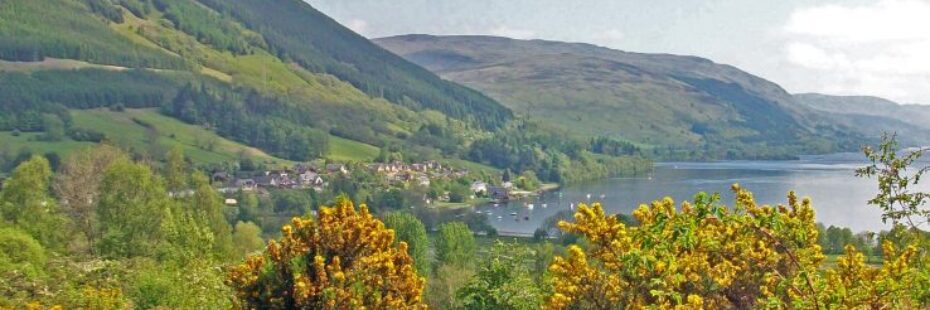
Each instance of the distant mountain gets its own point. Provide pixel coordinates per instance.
(871, 116)
(680, 106)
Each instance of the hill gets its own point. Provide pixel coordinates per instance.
(276, 76)
(871, 116)
(296, 86)
(678, 106)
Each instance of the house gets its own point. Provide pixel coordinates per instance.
(423, 180)
(333, 168)
(302, 168)
(231, 202)
(507, 185)
(219, 177)
(309, 178)
(479, 187)
(245, 185)
(498, 193)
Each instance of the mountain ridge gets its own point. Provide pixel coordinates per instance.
(690, 103)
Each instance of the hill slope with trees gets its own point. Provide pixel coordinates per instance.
(678, 106)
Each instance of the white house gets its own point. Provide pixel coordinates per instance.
(479, 187)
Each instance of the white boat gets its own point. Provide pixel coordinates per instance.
(545, 205)
(572, 206)
(530, 206)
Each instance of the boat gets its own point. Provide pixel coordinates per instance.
(513, 213)
(530, 206)
(545, 205)
(500, 217)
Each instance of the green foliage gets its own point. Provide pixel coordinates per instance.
(176, 175)
(27, 97)
(131, 210)
(247, 238)
(899, 201)
(206, 26)
(252, 119)
(31, 30)
(195, 284)
(553, 157)
(455, 244)
(407, 228)
(528, 181)
(459, 192)
(443, 285)
(54, 128)
(25, 203)
(316, 42)
(503, 281)
(20, 253)
(207, 203)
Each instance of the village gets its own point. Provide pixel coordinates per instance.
(317, 176)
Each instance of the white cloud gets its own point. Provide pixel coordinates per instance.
(357, 25)
(506, 31)
(878, 49)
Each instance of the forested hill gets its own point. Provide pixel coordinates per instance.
(288, 29)
(681, 107)
(277, 74)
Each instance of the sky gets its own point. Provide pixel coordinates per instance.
(841, 47)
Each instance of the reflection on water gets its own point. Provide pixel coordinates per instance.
(839, 197)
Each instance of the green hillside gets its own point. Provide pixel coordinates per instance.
(290, 91)
(275, 76)
(679, 107)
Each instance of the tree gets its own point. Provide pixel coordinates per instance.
(898, 197)
(247, 238)
(443, 285)
(19, 254)
(707, 255)
(455, 244)
(407, 228)
(77, 184)
(26, 203)
(898, 200)
(176, 176)
(503, 281)
(343, 259)
(208, 207)
(459, 192)
(132, 206)
(54, 128)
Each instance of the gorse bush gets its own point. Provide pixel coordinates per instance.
(342, 259)
(708, 255)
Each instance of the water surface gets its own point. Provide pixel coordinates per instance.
(839, 197)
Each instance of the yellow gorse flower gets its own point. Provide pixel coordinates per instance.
(343, 259)
(705, 255)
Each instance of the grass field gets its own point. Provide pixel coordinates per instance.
(347, 150)
(129, 129)
(30, 141)
(473, 166)
(126, 129)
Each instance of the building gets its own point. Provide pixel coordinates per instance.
(479, 187)
(498, 193)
